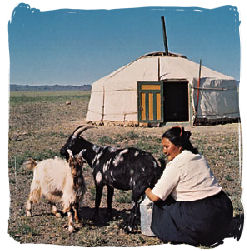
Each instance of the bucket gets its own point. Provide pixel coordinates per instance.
(146, 208)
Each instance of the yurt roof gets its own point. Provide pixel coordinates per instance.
(145, 68)
(162, 53)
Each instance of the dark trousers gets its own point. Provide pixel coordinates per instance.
(204, 221)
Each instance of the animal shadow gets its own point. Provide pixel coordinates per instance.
(87, 216)
(234, 231)
(236, 227)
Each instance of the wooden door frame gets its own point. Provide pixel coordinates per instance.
(150, 89)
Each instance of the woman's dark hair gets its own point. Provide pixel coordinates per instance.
(179, 137)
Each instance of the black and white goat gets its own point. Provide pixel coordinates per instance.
(124, 169)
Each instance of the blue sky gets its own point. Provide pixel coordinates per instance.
(76, 46)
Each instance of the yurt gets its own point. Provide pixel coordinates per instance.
(162, 89)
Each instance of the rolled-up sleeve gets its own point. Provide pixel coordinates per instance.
(167, 182)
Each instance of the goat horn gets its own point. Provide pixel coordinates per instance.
(81, 129)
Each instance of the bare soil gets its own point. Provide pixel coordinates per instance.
(39, 124)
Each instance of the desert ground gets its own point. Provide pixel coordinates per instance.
(40, 123)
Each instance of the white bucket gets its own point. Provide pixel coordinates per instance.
(146, 208)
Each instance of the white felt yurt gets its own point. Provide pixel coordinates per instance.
(163, 88)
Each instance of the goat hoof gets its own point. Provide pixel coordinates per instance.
(128, 229)
(78, 224)
(29, 214)
(58, 215)
(71, 229)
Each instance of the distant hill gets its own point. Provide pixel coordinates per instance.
(50, 88)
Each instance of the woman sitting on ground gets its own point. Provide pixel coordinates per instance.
(189, 205)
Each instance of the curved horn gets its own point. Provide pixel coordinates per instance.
(81, 129)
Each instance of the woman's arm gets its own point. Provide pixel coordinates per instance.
(150, 195)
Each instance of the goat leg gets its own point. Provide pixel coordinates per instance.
(75, 209)
(54, 210)
(70, 221)
(29, 208)
(69, 216)
(133, 216)
(99, 189)
(33, 197)
(110, 191)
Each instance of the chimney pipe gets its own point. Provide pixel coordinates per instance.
(164, 35)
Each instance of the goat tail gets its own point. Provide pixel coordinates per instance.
(30, 164)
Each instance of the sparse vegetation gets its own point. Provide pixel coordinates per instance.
(39, 124)
(123, 197)
(105, 140)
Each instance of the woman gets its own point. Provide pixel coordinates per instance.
(189, 205)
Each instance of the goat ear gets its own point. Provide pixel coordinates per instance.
(29, 164)
(80, 154)
(80, 159)
(81, 129)
(70, 153)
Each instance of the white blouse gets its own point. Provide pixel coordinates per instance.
(187, 177)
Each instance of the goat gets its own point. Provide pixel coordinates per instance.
(124, 169)
(58, 181)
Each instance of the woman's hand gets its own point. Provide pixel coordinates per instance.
(150, 195)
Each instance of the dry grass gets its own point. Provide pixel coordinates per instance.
(39, 124)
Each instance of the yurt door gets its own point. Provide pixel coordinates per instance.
(176, 101)
(150, 101)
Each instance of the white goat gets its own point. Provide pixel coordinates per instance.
(55, 180)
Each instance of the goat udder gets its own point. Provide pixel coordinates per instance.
(98, 177)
